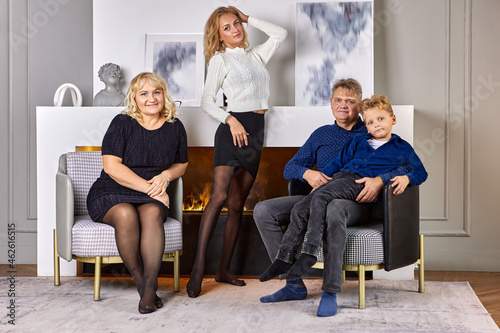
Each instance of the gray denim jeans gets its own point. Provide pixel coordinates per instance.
(274, 214)
(308, 216)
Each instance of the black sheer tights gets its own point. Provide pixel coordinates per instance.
(140, 238)
(231, 186)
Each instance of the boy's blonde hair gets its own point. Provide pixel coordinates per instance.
(169, 110)
(211, 38)
(376, 101)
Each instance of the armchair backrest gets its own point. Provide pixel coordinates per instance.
(83, 168)
(76, 174)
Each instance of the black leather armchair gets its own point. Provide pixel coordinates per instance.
(394, 227)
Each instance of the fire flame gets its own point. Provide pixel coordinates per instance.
(269, 183)
(198, 200)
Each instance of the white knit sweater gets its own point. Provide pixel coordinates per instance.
(242, 74)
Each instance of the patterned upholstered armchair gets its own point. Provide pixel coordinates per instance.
(77, 237)
(389, 241)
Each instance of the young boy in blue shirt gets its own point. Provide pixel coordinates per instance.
(365, 155)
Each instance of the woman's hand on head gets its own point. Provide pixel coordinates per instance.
(243, 17)
(157, 185)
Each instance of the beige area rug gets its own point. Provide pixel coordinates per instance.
(392, 306)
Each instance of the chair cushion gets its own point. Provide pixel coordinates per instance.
(364, 245)
(83, 167)
(91, 239)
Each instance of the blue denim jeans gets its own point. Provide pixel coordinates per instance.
(274, 214)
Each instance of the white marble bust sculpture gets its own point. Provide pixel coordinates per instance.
(111, 95)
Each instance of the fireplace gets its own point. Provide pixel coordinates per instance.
(250, 256)
(268, 184)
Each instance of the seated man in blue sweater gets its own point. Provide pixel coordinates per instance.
(272, 215)
(365, 155)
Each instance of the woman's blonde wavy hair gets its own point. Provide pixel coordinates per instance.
(169, 110)
(211, 38)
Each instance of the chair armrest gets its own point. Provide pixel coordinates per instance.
(401, 227)
(64, 210)
(175, 192)
(298, 187)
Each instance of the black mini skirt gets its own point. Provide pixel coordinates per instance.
(226, 153)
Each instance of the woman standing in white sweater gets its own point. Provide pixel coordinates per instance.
(240, 72)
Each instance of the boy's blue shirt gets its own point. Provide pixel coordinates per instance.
(323, 145)
(357, 156)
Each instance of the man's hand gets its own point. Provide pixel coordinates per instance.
(315, 178)
(372, 188)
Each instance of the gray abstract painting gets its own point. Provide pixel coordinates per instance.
(176, 63)
(178, 58)
(334, 40)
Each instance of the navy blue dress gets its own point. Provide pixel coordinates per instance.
(146, 152)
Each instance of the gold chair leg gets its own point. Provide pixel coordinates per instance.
(421, 277)
(57, 269)
(361, 286)
(177, 271)
(343, 276)
(97, 278)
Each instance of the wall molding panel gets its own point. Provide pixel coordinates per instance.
(435, 74)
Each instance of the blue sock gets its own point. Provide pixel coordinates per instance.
(293, 291)
(328, 305)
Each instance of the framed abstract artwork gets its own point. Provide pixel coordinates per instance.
(334, 40)
(178, 58)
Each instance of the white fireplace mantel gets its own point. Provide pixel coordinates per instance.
(60, 129)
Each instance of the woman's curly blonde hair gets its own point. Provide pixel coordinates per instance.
(211, 38)
(169, 110)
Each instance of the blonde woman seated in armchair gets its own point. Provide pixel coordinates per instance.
(144, 148)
